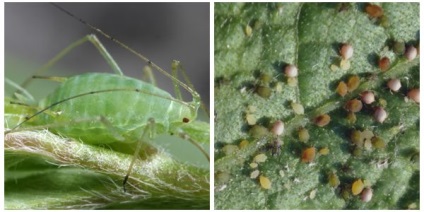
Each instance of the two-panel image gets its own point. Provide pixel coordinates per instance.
(211, 106)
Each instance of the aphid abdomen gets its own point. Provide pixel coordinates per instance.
(126, 110)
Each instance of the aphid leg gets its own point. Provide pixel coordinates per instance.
(51, 78)
(113, 130)
(185, 136)
(148, 75)
(144, 137)
(91, 38)
(176, 66)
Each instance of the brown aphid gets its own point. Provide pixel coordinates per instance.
(353, 83)
(384, 63)
(374, 11)
(322, 120)
(308, 155)
(342, 89)
(414, 94)
(353, 105)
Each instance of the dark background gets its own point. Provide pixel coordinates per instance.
(35, 32)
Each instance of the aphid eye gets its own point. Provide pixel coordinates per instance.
(186, 120)
(384, 63)
(414, 94)
(291, 71)
(346, 51)
(394, 85)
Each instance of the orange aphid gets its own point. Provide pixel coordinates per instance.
(322, 120)
(308, 155)
(353, 105)
(384, 63)
(374, 11)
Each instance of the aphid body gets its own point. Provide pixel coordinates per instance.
(380, 114)
(346, 51)
(357, 187)
(127, 110)
(394, 84)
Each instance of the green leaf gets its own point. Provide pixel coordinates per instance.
(46, 171)
(309, 35)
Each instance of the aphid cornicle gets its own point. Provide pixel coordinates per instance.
(102, 108)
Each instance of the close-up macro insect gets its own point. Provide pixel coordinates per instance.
(335, 87)
(136, 139)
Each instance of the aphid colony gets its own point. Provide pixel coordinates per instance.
(368, 97)
(360, 140)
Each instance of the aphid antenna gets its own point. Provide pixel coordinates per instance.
(196, 96)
